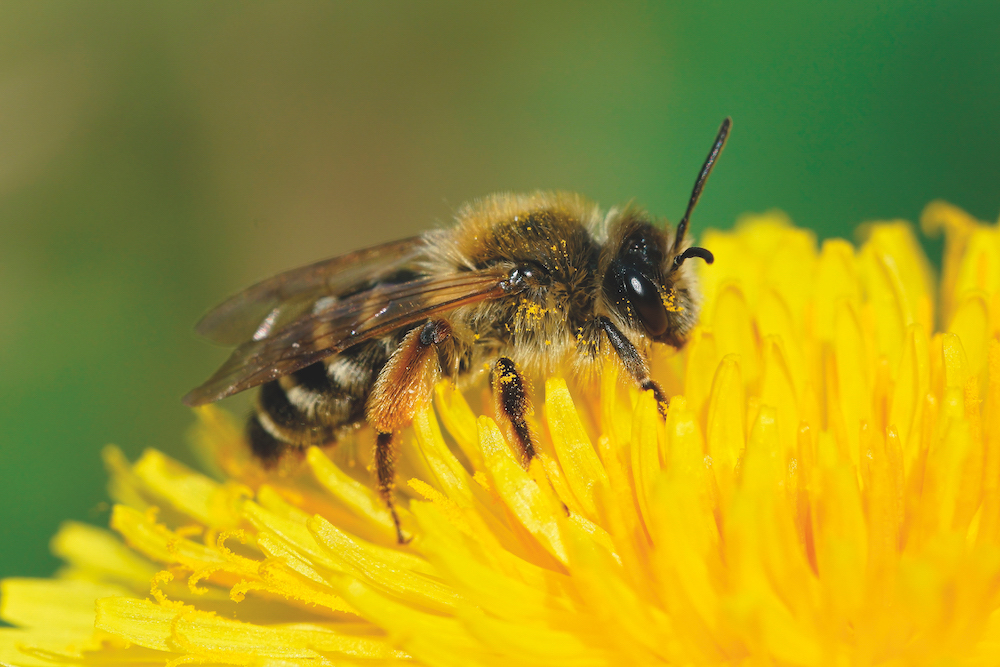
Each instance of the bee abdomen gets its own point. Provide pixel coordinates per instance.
(316, 404)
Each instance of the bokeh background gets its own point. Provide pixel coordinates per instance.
(157, 156)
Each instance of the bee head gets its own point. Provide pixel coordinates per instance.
(647, 281)
(648, 284)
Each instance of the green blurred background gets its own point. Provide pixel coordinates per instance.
(157, 156)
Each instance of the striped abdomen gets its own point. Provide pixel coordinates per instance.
(316, 404)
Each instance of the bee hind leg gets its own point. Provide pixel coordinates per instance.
(401, 388)
(385, 471)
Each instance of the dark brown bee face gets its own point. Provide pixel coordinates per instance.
(647, 284)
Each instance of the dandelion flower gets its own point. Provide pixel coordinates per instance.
(825, 490)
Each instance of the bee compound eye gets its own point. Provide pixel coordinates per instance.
(645, 299)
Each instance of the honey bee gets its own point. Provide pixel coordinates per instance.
(521, 284)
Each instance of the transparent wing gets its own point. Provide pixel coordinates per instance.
(267, 306)
(317, 335)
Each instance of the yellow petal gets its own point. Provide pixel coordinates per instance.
(579, 462)
(96, 554)
(534, 509)
(362, 500)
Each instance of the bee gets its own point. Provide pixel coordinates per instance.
(521, 284)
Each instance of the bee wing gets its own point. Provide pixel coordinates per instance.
(265, 307)
(367, 315)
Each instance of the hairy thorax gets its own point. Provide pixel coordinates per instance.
(556, 240)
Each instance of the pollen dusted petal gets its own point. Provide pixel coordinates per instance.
(824, 490)
(225, 640)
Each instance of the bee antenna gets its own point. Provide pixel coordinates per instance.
(706, 169)
(694, 251)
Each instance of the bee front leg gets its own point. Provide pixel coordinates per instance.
(634, 363)
(401, 388)
(512, 403)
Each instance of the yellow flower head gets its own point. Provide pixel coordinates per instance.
(825, 490)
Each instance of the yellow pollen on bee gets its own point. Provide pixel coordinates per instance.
(530, 311)
(507, 378)
(670, 303)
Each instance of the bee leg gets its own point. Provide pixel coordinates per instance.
(385, 471)
(401, 388)
(512, 403)
(634, 363)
